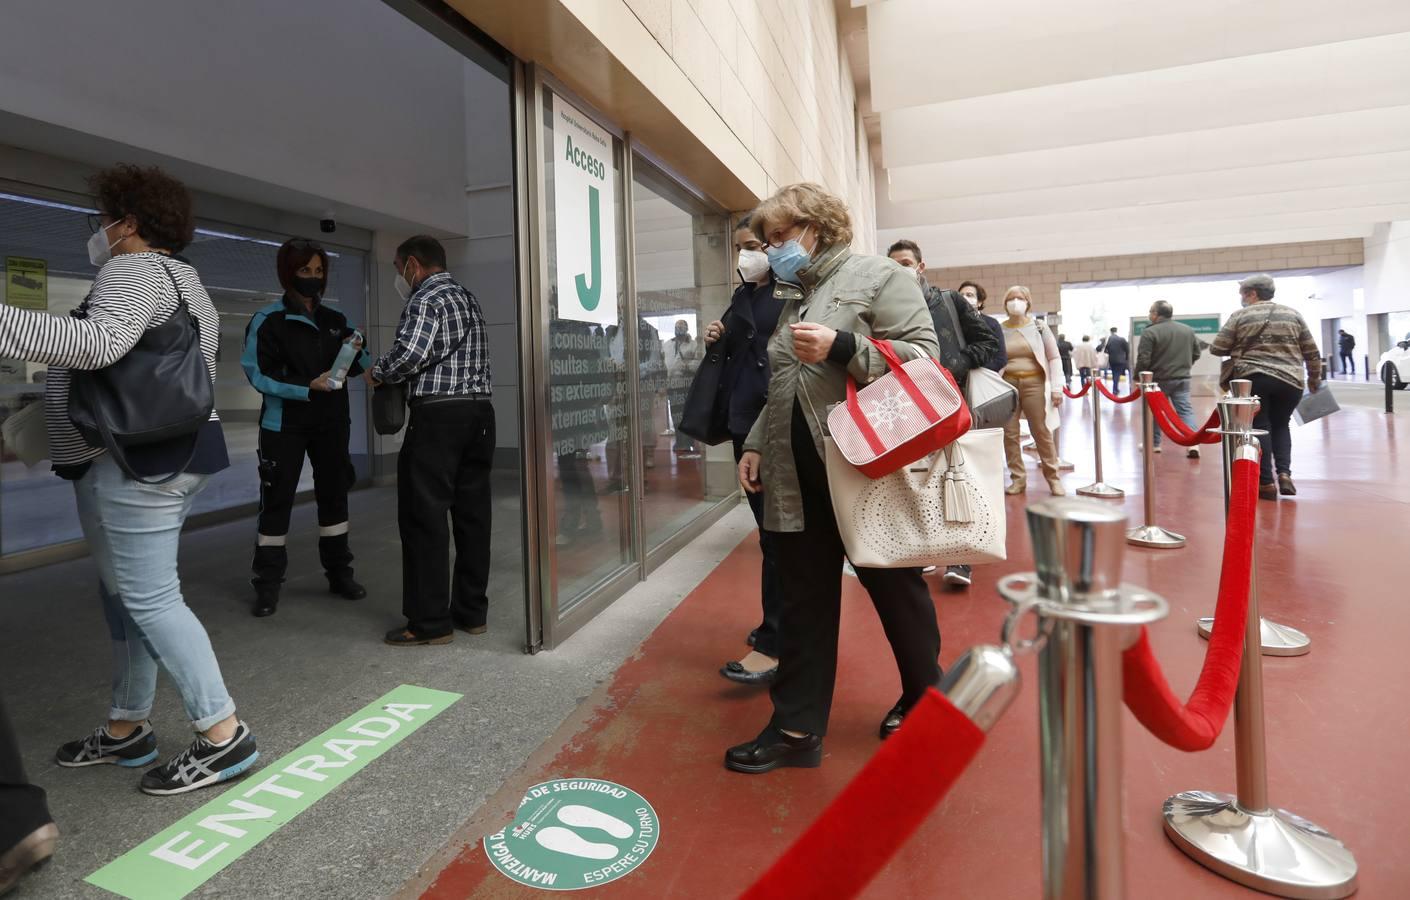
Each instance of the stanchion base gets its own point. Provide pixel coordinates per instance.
(1278, 640)
(1101, 489)
(1155, 537)
(1064, 465)
(1276, 852)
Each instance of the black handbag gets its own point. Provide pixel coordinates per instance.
(706, 413)
(158, 391)
(389, 408)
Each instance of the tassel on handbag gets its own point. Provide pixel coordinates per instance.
(956, 498)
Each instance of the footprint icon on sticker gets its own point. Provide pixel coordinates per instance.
(561, 840)
(586, 817)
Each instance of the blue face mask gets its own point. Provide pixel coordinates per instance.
(790, 259)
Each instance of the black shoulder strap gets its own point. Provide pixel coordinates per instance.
(947, 300)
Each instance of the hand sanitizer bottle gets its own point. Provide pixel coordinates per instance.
(339, 373)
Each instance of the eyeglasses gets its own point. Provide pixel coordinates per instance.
(95, 222)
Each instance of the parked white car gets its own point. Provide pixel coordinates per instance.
(1395, 365)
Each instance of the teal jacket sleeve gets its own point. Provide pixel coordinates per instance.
(258, 360)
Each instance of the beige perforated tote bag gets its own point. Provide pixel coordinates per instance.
(945, 509)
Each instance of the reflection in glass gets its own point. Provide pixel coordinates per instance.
(589, 414)
(682, 279)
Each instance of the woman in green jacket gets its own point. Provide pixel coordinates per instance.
(833, 300)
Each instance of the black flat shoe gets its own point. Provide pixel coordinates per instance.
(737, 673)
(773, 749)
(892, 722)
(346, 588)
(402, 637)
(266, 602)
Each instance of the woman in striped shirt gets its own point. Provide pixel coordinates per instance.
(133, 528)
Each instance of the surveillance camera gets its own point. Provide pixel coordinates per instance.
(327, 226)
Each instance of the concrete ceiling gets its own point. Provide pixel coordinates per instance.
(1028, 130)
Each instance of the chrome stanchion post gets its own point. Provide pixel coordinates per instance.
(1098, 488)
(1242, 837)
(1236, 412)
(1150, 534)
(1087, 618)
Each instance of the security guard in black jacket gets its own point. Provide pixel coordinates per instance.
(290, 348)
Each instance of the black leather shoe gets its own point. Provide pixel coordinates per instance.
(892, 722)
(404, 637)
(266, 600)
(472, 629)
(737, 673)
(773, 749)
(345, 587)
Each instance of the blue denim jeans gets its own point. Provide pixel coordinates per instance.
(1178, 391)
(133, 531)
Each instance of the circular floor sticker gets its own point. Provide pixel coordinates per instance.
(575, 833)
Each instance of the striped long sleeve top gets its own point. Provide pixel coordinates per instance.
(1270, 338)
(131, 293)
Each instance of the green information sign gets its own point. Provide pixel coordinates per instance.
(1203, 325)
(26, 282)
(184, 856)
(575, 833)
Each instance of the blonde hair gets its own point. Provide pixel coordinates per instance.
(805, 204)
(1020, 292)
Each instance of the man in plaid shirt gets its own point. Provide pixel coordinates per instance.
(442, 352)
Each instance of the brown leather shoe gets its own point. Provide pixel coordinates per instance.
(1268, 492)
(404, 637)
(27, 856)
(1286, 486)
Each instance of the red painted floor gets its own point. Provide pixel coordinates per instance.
(1331, 562)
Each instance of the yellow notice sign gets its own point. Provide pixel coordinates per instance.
(26, 282)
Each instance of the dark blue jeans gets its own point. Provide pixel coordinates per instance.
(766, 635)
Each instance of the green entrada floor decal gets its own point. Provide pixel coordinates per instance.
(184, 856)
(575, 833)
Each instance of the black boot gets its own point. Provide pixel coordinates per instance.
(337, 560)
(269, 567)
(266, 600)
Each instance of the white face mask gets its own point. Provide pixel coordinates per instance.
(99, 250)
(1017, 308)
(403, 286)
(753, 265)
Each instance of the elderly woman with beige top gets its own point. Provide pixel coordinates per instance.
(1035, 370)
(833, 300)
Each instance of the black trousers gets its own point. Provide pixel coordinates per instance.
(281, 463)
(22, 806)
(1348, 363)
(1067, 370)
(1116, 372)
(810, 563)
(1278, 401)
(444, 468)
(770, 589)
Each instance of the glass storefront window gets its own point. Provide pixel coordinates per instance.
(36, 508)
(682, 284)
(589, 406)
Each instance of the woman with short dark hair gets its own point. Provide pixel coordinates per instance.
(290, 348)
(133, 525)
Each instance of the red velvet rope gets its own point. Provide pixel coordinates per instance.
(874, 815)
(1175, 429)
(1080, 394)
(1106, 392)
(1196, 724)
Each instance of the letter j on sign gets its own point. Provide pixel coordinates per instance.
(584, 216)
(183, 857)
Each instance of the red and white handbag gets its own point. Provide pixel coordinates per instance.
(913, 410)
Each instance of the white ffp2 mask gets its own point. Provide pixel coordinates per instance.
(753, 265)
(99, 250)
